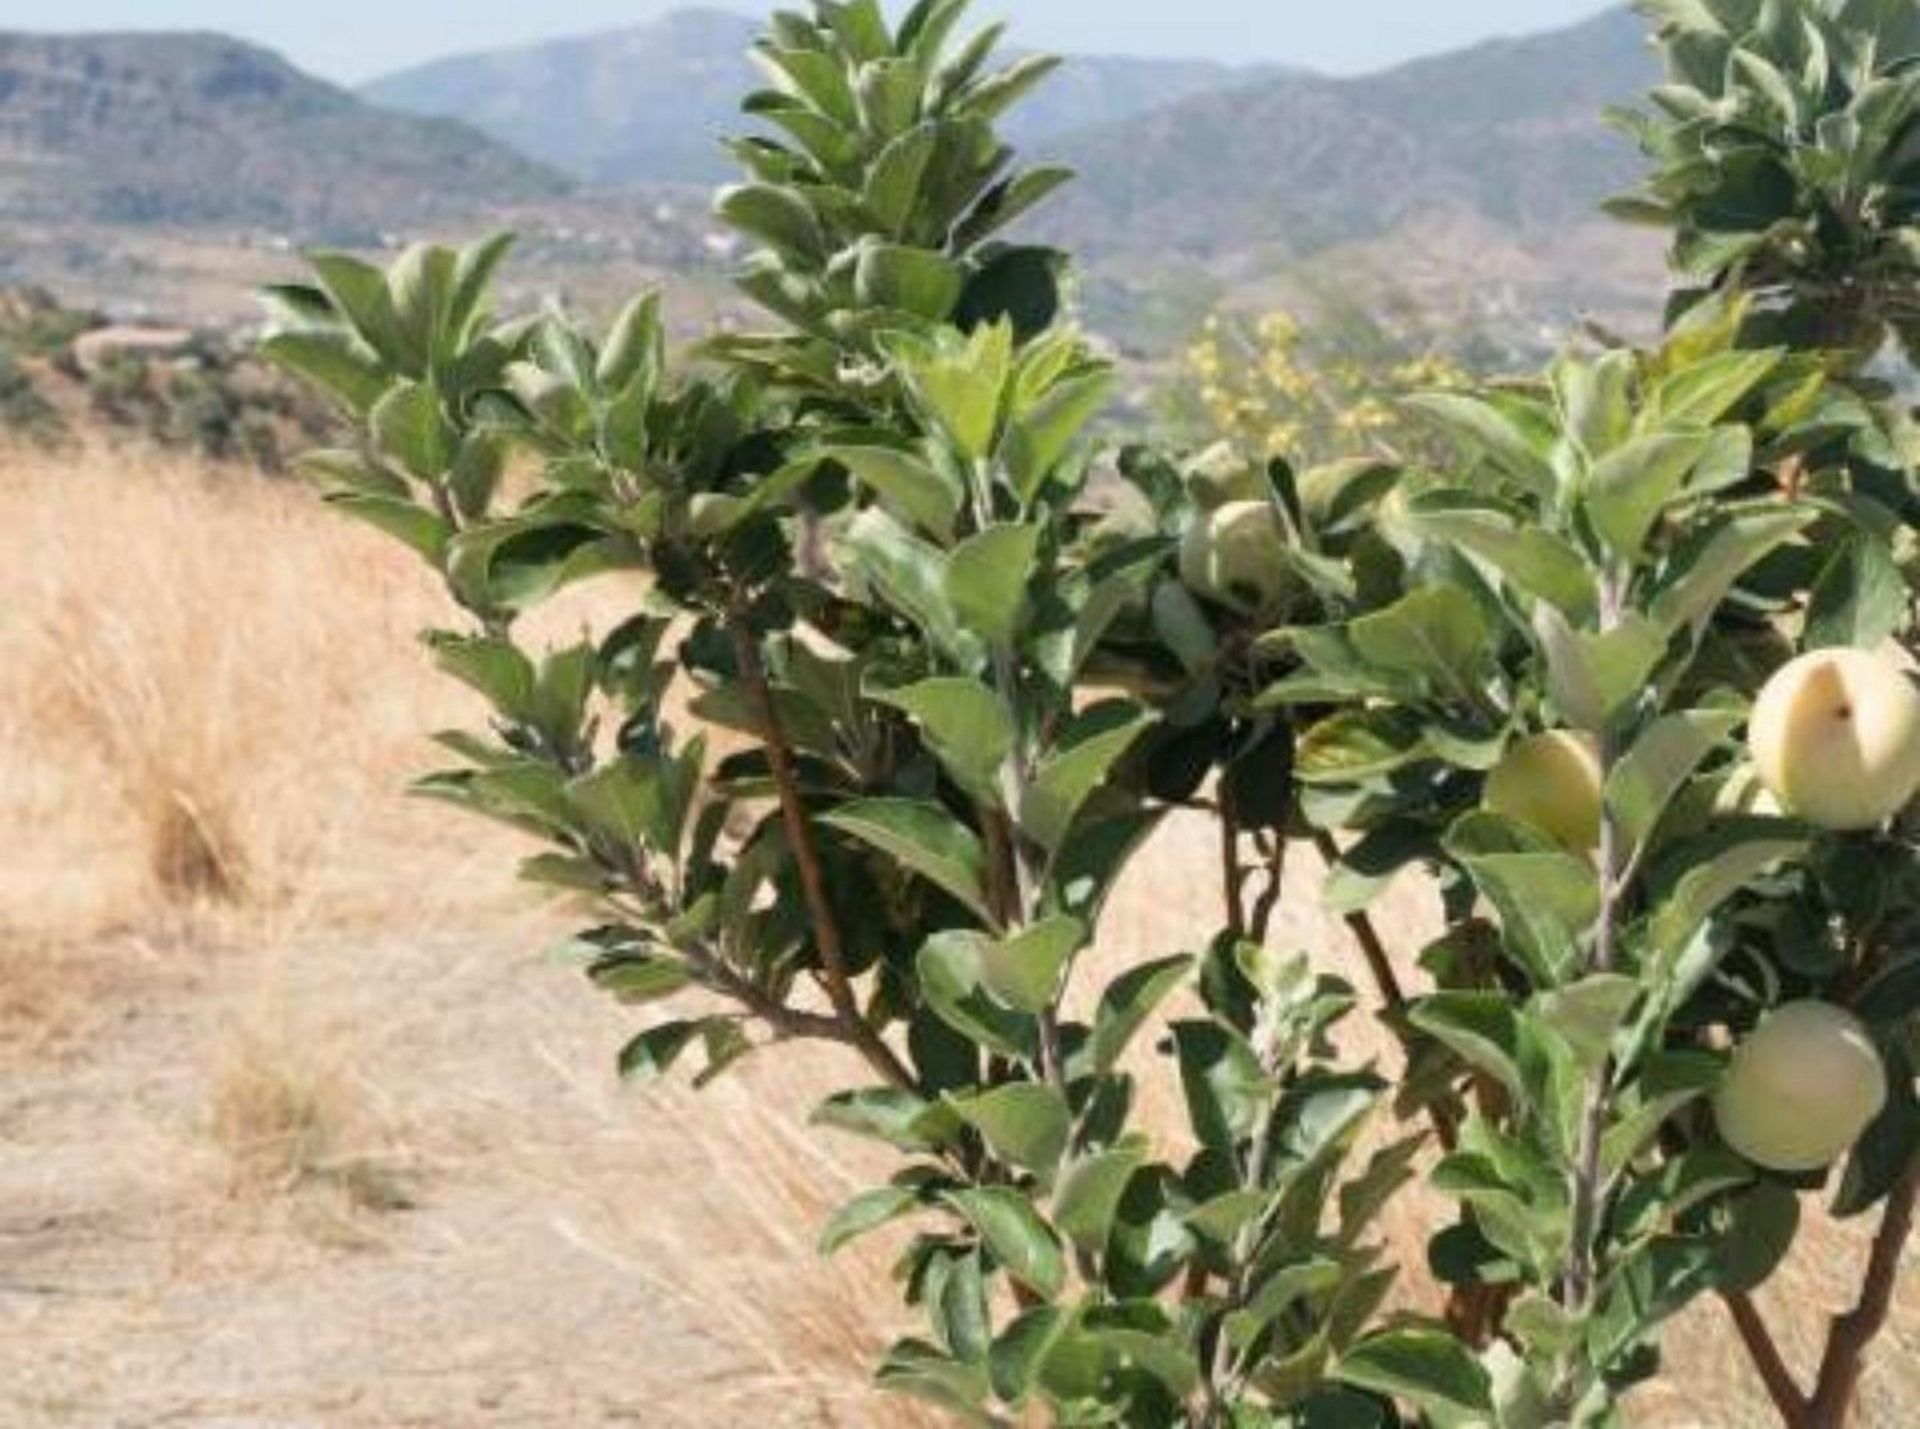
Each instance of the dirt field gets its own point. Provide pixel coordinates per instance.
(300, 1128)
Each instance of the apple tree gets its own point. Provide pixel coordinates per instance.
(913, 669)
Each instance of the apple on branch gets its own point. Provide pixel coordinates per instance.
(1552, 783)
(1835, 736)
(1802, 1089)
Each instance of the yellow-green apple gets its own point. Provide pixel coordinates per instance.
(1802, 1088)
(1836, 737)
(1236, 555)
(1552, 782)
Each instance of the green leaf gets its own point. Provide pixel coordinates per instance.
(923, 1372)
(653, 1053)
(1224, 1082)
(987, 579)
(1022, 1349)
(1359, 744)
(1702, 579)
(414, 526)
(636, 979)
(359, 292)
(1482, 1028)
(1026, 1124)
(1860, 598)
(1593, 677)
(633, 803)
(778, 217)
(1546, 898)
(1718, 874)
(1765, 1221)
(949, 970)
(336, 360)
(911, 576)
(493, 667)
(1087, 752)
(913, 486)
(1015, 1235)
(411, 430)
(1429, 1368)
(1040, 436)
(1632, 485)
(866, 1212)
(1661, 760)
(1703, 392)
(1125, 1006)
(1485, 428)
(1024, 972)
(960, 385)
(893, 182)
(1087, 1196)
(1531, 558)
(924, 838)
(1587, 1014)
(635, 352)
(908, 280)
(892, 1115)
(967, 727)
(1436, 632)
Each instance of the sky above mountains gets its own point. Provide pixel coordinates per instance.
(353, 40)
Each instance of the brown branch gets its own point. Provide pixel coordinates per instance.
(806, 858)
(1268, 901)
(1364, 933)
(1781, 1387)
(1854, 1332)
(1233, 878)
(1850, 1335)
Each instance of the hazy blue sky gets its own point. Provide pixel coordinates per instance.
(356, 39)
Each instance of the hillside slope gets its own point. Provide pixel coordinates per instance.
(1509, 131)
(646, 104)
(201, 129)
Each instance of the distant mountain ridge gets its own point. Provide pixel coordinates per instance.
(1510, 130)
(1195, 159)
(647, 104)
(200, 128)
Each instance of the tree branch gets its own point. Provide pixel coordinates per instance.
(1854, 1332)
(806, 858)
(1767, 1359)
(1364, 933)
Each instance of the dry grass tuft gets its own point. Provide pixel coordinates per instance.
(211, 698)
(292, 1117)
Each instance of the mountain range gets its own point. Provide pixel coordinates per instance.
(648, 104)
(199, 128)
(1478, 170)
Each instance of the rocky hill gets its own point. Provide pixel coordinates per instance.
(1508, 131)
(202, 129)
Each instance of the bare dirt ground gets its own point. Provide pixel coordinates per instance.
(525, 1263)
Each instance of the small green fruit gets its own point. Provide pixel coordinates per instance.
(1836, 738)
(1801, 1089)
(1552, 782)
(1220, 474)
(1236, 555)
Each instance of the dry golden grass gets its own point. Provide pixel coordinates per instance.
(210, 697)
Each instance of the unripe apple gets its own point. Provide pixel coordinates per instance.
(1801, 1089)
(1220, 474)
(1551, 781)
(1236, 554)
(1836, 738)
